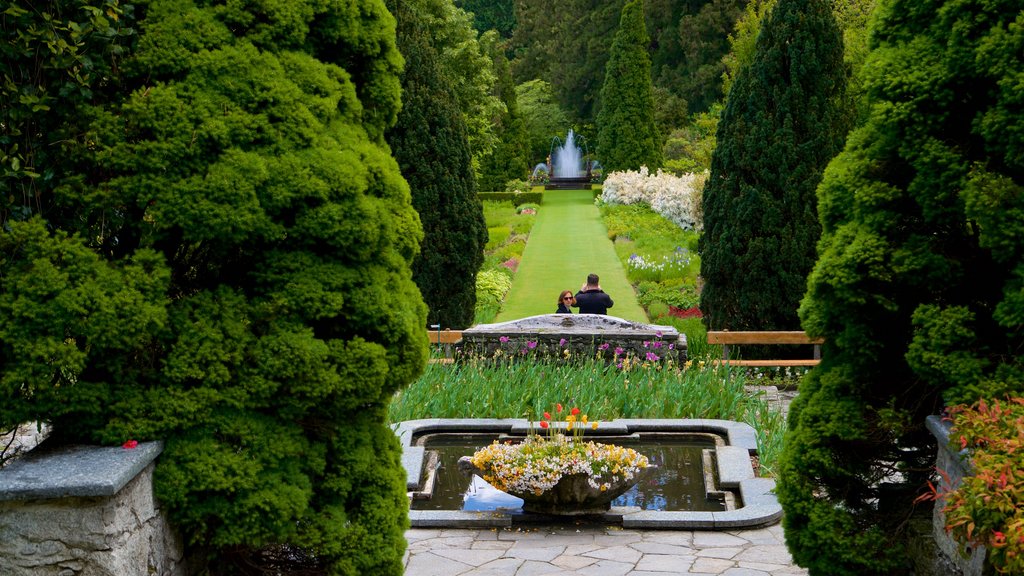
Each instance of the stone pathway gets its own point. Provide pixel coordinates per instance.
(586, 550)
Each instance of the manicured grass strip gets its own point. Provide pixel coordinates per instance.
(568, 241)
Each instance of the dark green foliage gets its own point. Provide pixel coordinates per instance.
(567, 45)
(219, 257)
(431, 146)
(918, 285)
(491, 15)
(628, 137)
(510, 158)
(694, 72)
(543, 119)
(783, 122)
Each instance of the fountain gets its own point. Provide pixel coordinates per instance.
(704, 475)
(567, 168)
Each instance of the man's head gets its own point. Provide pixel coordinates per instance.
(593, 280)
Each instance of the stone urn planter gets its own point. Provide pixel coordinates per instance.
(566, 485)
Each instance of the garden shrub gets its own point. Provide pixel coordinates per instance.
(518, 186)
(676, 198)
(988, 506)
(923, 203)
(218, 256)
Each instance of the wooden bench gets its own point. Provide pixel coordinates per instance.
(446, 339)
(726, 339)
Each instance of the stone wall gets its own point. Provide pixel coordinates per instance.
(85, 510)
(574, 336)
(956, 465)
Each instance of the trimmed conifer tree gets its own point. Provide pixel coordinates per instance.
(431, 146)
(784, 120)
(917, 289)
(220, 259)
(627, 133)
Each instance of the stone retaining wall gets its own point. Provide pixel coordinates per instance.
(85, 510)
(956, 465)
(574, 335)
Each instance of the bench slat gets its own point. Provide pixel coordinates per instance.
(445, 336)
(748, 337)
(767, 363)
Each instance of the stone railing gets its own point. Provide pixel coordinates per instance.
(576, 335)
(85, 510)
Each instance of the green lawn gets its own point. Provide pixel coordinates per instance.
(568, 241)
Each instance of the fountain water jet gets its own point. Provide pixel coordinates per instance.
(567, 169)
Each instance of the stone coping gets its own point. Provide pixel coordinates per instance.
(74, 471)
(759, 507)
(575, 325)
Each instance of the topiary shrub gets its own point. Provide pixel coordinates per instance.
(220, 259)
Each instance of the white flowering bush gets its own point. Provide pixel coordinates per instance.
(677, 198)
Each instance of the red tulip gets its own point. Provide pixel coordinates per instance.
(547, 415)
(543, 424)
(575, 411)
(558, 408)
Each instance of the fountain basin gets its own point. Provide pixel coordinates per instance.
(753, 504)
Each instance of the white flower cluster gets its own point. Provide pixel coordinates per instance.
(677, 198)
(677, 261)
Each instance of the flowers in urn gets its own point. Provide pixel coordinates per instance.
(556, 471)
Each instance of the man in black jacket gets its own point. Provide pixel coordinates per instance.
(591, 299)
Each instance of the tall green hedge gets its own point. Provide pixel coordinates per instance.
(784, 121)
(219, 257)
(918, 287)
(627, 134)
(432, 149)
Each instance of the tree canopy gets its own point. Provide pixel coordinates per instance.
(917, 288)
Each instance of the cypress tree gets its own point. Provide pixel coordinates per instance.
(627, 134)
(220, 259)
(917, 289)
(783, 122)
(430, 143)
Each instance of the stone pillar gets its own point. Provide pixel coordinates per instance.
(85, 510)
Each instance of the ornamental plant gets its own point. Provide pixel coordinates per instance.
(536, 464)
(677, 198)
(988, 507)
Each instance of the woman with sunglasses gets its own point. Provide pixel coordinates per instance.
(565, 300)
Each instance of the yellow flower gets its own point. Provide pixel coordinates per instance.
(584, 418)
(593, 425)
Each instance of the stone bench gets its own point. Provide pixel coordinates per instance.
(582, 335)
(85, 510)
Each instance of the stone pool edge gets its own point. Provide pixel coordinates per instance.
(760, 506)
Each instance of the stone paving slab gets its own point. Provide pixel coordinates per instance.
(594, 550)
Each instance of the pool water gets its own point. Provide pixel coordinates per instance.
(678, 483)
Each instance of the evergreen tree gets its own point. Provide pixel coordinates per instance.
(496, 15)
(543, 118)
(917, 288)
(566, 45)
(628, 137)
(218, 258)
(430, 143)
(509, 160)
(783, 122)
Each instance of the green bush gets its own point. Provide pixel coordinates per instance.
(518, 186)
(678, 292)
(218, 256)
